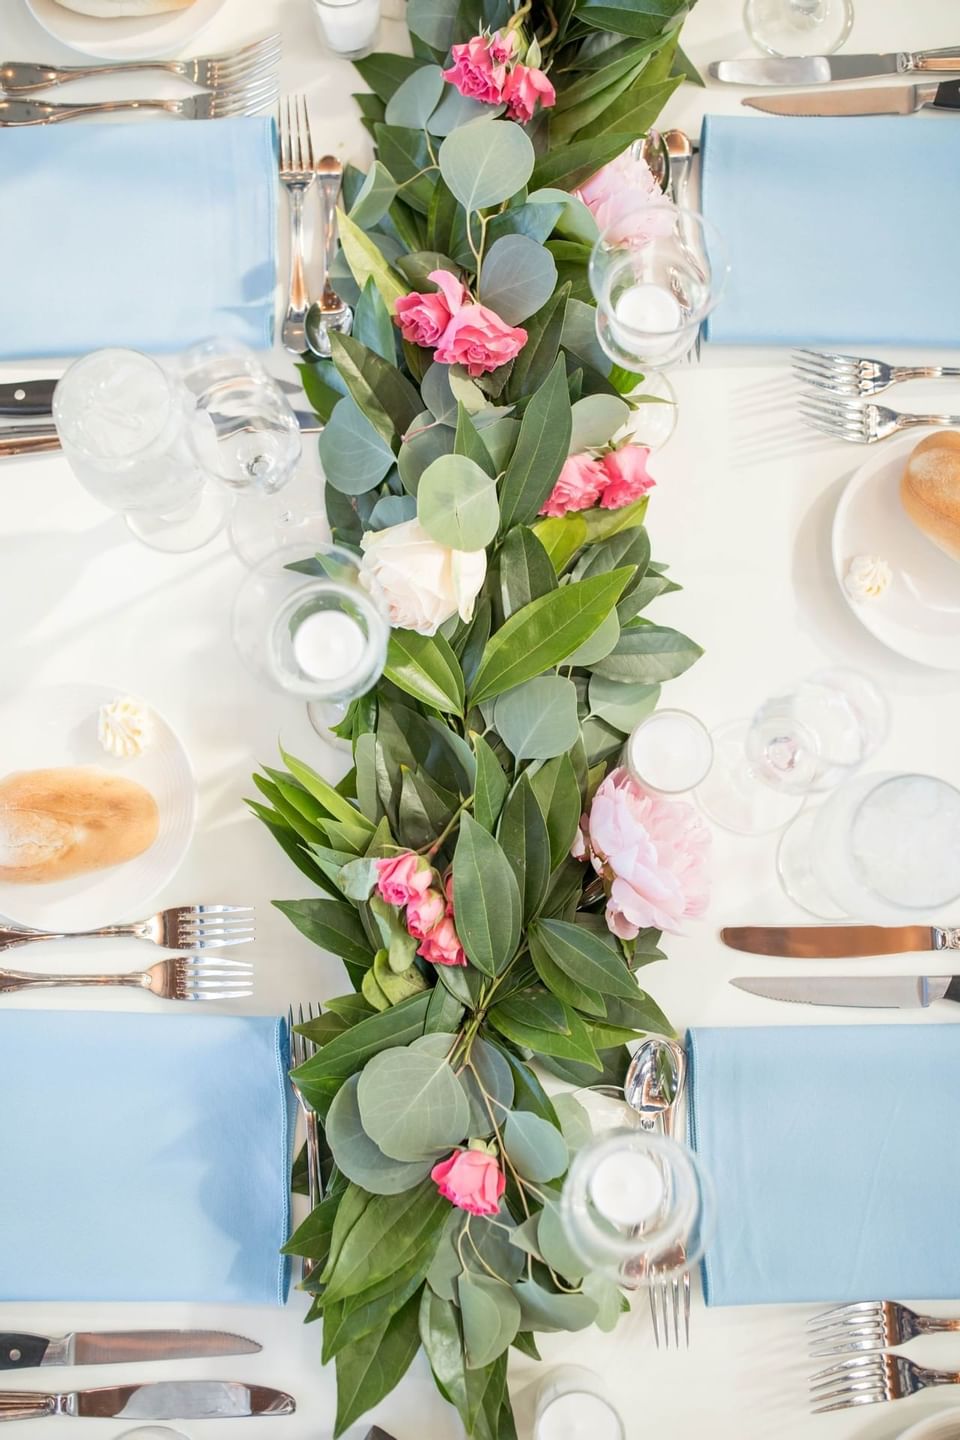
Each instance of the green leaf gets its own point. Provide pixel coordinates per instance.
(526, 571)
(534, 220)
(486, 162)
(433, 21)
(491, 787)
(349, 1052)
(601, 524)
(486, 1067)
(568, 166)
(628, 547)
(455, 110)
(391, 1230)
(533, 1006)
(544, 632)
(685, 68)
(414, 101)
(427, 442)
(580, 336)
(332, 925)
(555, 1247)
(405, 153)
(385, 396)
(372, 325)
(377, 194)
(517, 276)
(412, 1104)
(477, 1394)
(367, 262)
(355, 1153)
(444, 1012)
(523, 838)
(558, 794)
(330, 798)
(349, 1320)
(538, 720)
(576, 1045)
(585, 958)
(322, 397)
(622, 705)
(425, 809)
(646, 654)
(354, 454)
(470, 444)
(540, 452)
(533, 365)
(457, 503)
(491, 1318)
(561, 537)
(437, 391)
(547, 1310)
(487, 899)
(372, 1366)
(527, 1345)
(569, 990)
(536, 1148)
(596, 419)
(312, 1238)
(425, 667)
(384, 73)
(358, 877)
(601, 642)
(575, 221)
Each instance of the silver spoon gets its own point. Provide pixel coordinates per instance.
(653, 150)
(681, 152)
(654, 1083)
(329, 312)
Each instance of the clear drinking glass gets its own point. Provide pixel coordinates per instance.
(574, 1404)
(653, 292)
(125, 425)
(153, 1432)
(798, 27)
(805, 741)
(882, 847)
(348, 27)
(670, 752)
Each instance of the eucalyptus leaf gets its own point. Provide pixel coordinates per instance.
(580, 336)
(457, 503)
(575, 221)
(487, 899)
(415, 100)
(621, 704)
(392, 510)
(411, 1104)
(455, 110)
(376, 195)
(446, 1264)
(434, 21)
(536, 1148)
(425, 442)
(490, 1314)
(538, 720)
(596, 419)
(358, 1157)
(485, 161)
(609, 1299)
(517, 276)
(548, 1310)
(486, 1074)
(574, 1122)
(354, 456)
(555, 1248)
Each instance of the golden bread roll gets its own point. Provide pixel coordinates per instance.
(108, 9)
(930, 490)
(55, 824)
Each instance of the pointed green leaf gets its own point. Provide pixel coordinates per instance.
(371, 1367)
(425, 667)
(384, 395)
(523, 837)
(367, 262)
(647, 654)
(541, 449)
(491, 1317)
(487, 899)
(492, 785)
(585, 958)
(526, 571)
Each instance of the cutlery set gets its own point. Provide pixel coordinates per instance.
(873, 1375)
(833, 398)
(300, 1051)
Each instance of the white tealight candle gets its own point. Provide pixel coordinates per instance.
(670, 751)
(626, 1188)
(349, 27)
(644, 311)
(328, 645)
(578, 1415)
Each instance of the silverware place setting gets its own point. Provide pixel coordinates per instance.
(844, 419)
(301, 1049)
(835, 390)
(872, 1379)
(182, 977)
(250, 63)
(870, 1325)
(184, 927)
(852, 376)
(329, 313)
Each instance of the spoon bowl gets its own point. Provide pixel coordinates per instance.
(321, 321)
(654, 1082)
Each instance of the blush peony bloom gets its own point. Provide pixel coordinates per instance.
(478, 339)
(627, 202)
(578, 486)
(626, 476)
(424, 317)
(403, 878)
(442, 945)
(422, 582)
(524, 86)
(472, 1180)
(424, 912)
(652, 854)
(479, 67)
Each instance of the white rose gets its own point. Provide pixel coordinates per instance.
(423, 583)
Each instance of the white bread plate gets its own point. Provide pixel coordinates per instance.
(945, 1426)
(124, 37)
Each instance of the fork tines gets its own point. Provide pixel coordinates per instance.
(843, 419)
(865, 1325)
(221, 72)
(253, 98)
(213, 926)
(865, 1380)
(198, 978)
(841, 374)
(296, 142)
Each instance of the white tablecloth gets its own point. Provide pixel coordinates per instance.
(742, 511)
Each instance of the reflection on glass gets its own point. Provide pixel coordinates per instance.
(798, 27)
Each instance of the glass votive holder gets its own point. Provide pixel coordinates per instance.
(153, 1432)
(348, 27)
(574, 1404)
(670, 752)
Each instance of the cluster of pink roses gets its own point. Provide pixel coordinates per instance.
(487, 68)
(471, 1179)
(409, 882)
(456, 328)
(611, 481)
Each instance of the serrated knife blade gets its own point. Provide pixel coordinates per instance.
(119, 1347)
(896, 992)
(827, 942)
(884, 100)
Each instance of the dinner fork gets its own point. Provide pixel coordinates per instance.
(869, 1379)
(182, 977)
(861, 424)
(853, 375)
(301, 1049)
(870, 1325)
(210, 72)
(211, 105)
(185, 927)
(297, 174)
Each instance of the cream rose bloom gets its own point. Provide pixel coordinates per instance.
(423, 583)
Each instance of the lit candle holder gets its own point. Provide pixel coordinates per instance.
(572, 1404)
(670, 751)
(627, 1188)
(348, 27)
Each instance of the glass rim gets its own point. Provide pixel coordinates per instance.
(377, 639)
(97, 357)
(686, 715)
(858, 867)
(717, 260)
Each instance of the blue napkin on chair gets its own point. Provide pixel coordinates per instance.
(834, 1156)
(839, 231)
(150, 235)
(143, 1157)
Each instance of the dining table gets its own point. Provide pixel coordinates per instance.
(743, 507)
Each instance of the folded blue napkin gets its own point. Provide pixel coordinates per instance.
(152, 235)
(834, 1158)
(143, 1157)
(839, 231)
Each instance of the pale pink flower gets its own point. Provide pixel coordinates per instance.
(503, 46)
(472, 1180)
(626, 476)
(626, 201)
(578, 486)
(402, 878)
(524, 86)
(652, 854)
(442, 945)
(479, 68)
(424, 317)
(424, 912)
(477, 338)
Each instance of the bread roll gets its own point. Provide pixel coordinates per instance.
(930, 490)
(55, 824)
(109, 9)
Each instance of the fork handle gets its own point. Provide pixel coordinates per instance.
(926, 1377)
(933, 1325)
(906, 420)
(29, 1404)
(23, 936)
(106, 107)
(298, 298)
(924, 372)
(12, 981)
(932, 60)
(22, 78)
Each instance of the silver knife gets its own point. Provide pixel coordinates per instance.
(164, 1400)
(885, 100)
(829, 942)
(118, 1347)
(821, 69)
(897, 992)
(27, 397)
(40, 436)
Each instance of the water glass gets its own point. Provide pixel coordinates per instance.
(245, 434)
(574, 1404)
(348, 27)
(153, 1432)
(669, 752)
(798, 27)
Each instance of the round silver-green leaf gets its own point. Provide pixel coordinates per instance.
(358, 1157)
(414, 101)
(596, 419)
(376, 195)
(485, 162)
(546, 1310)
(455, 110)
(487, 1069)
(354, 456)
(411, 1104)
(538, 720)
(535, 1147)
(427, 442)
(622, 704)
(517, 277)
(491, 1318)
(601, 642)
(457, 503)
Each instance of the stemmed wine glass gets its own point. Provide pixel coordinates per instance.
(798, 27)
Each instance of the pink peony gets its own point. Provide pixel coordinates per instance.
(424, 912)
(480, 340)
(472, 1180)
(524, 87)
(652, 854)
(424, 317)
(402, 878)
(442, 945)
(479, 68)
(578, 486)
(626, 201)
(626, 476)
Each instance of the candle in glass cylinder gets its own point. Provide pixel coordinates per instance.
(626, 1188)
(641, 313)
(329, 645)
(349, 27)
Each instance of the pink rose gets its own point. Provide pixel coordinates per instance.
(479, 69)
(524, 87)
(472, 1180)
(442, 945)
(626, 476)
(424, 317)
(424, 912)
(503, 46)
(627, 202)
(578, 486)
(448, 891)
(480, 340)
(652, 854)
(402, 878)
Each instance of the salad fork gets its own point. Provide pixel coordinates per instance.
(870, 1325)
(862, 424)
(182, 977)
(869, 1379)
(210, 105)
(853, 375)
(297, 174)
(210, 72)
(185, 927)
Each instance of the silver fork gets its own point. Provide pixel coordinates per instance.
(185, 927)
(861, 424)
(182, 977)
(869, 1379)
(210, 72)
(870, 1325)
(213, 105)
(853, 375)
(296, 175)
(300, 1051)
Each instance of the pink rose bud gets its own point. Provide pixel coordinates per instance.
(424, 912)
(578, 486)
(442, 945)
(479, 69)
(524, 87)
(478, 339)
(448, 891)
(424, 318)
(471, 1180)
(402, 878)
(626, 476)
(503, 46)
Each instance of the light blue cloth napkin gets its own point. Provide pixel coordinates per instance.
(833, 1152)
(152, 235)
(839, 231)
(143, 1157)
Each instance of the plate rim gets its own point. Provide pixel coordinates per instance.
(167, 48)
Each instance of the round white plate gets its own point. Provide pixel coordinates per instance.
(124, 37)
(57, 725)
(919, 613)
(945, 1426)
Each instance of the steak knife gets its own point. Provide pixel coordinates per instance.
(821, 69)
(26, 397)
(118, 1347)
(829, 942)
(873, 992)
(165, 1400)
(885, 100)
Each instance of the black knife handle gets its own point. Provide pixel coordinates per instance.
(28, 397)
(948, 95)
(953, 989)
(22, 1352)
